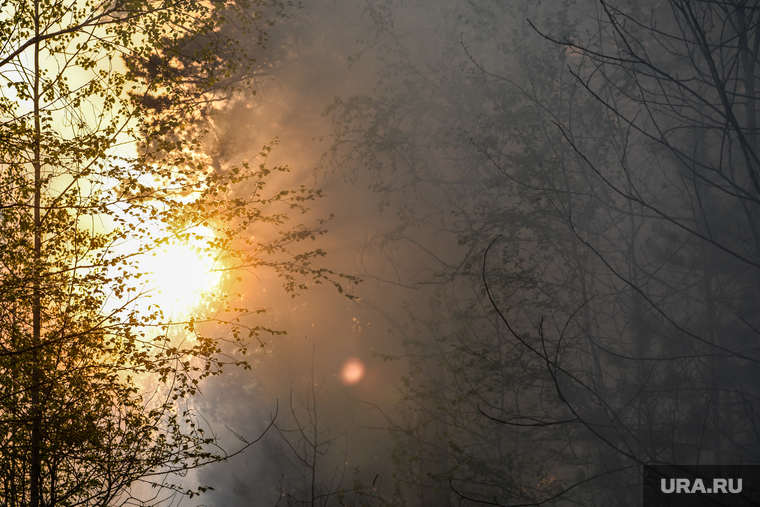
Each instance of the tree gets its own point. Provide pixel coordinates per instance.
(611, 324)
(678, 381)
(306, 446)
(434, 141)
(105, 110)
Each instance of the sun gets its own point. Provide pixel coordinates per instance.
(178, 276)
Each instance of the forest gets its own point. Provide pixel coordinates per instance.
(375, 253)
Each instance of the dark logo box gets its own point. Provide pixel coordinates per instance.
(701, 486)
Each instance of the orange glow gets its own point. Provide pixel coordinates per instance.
(179, 275)
(352, 372)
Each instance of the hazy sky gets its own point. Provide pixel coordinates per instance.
(322, 325)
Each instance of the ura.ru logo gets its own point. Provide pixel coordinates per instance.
(686, 486)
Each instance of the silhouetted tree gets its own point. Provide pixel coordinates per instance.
(102, 164)
(610, 172)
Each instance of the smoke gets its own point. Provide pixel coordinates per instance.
(432, 129)
(326, 332)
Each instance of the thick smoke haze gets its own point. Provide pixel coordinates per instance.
(438, 253)
(325, 52)
(325, 331)
(558, 258)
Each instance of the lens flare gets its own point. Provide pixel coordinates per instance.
(352, 372)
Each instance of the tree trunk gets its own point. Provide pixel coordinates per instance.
(36, 464)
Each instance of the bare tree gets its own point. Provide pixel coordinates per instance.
(663, 371)
(313, 477)
(616, 162)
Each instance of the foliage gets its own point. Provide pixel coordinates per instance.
(607, 172)
(425, 139)
(104, 160)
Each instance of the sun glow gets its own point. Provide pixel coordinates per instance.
(179, 275)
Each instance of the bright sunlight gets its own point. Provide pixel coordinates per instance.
(178, 276)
